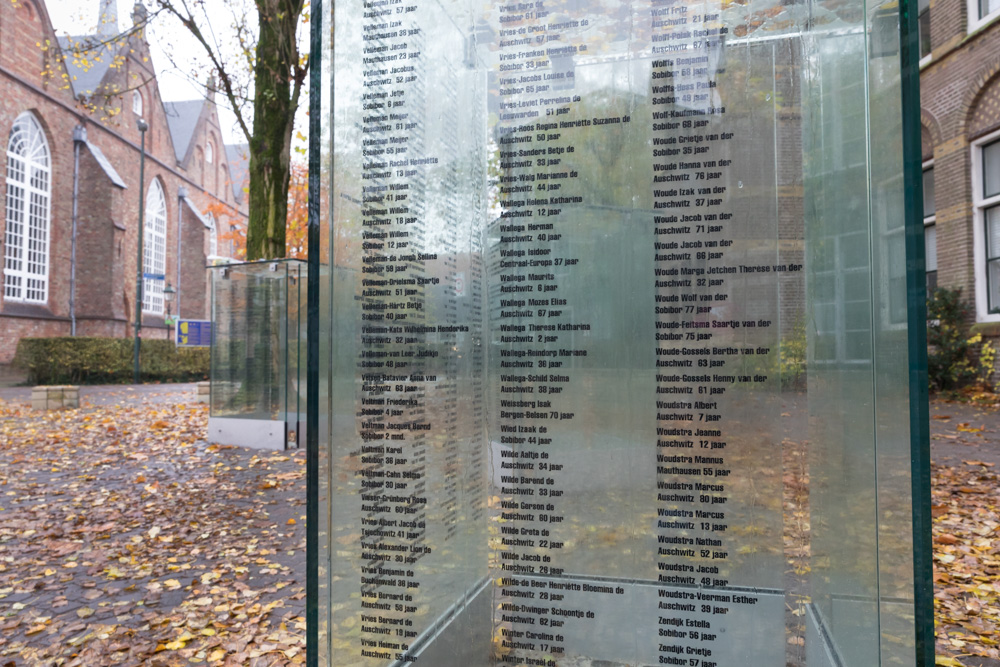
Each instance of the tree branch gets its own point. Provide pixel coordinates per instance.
(188, 21)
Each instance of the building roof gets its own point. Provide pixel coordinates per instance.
(182, 119)
(105, 165)
(88, 58)
(238, 157)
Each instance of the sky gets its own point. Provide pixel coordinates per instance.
(78, 17)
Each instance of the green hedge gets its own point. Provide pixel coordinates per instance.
(107, 361)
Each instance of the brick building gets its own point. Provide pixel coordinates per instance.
(69, 112)
(960, 118)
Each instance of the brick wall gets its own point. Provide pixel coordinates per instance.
(953, 83)
(34, 81)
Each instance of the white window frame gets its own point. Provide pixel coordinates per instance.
(137, 103)
(975, 22)
(28, 212)
(209, 152)
(154, 249)
(979, 206)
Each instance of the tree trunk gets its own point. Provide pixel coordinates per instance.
(275, 102)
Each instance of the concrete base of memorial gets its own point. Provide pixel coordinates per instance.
(52, 397)
(258, 433)
(253, 433)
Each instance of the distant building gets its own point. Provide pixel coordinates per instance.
(68, 110)
(960, 117)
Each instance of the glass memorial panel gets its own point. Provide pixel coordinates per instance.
(258, 349)
(617, 335)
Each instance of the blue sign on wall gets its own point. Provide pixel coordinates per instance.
(194, 333)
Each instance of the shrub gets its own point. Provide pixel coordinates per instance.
(948, 343)
(107, 361)
(792, 357)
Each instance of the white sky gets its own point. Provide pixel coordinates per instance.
(76, 17)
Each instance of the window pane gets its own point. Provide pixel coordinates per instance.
(930, 247)
(928, 192)
(26, 253)
(993, 269)
(988, 7)
(993, 232)
(991, 167)
(924, 32)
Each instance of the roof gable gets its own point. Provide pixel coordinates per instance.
(238, 157)
(182, 120)
(88, 59)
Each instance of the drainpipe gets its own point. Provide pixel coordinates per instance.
(182, 193)
(79, 138)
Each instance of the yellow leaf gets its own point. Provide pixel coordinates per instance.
(217, 655)
(175, 645)
(208, 632)
(85, 612)
(942, 661)
(172, 584)
(291, 522)
(154, 531)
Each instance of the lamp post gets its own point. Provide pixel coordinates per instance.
(143, 126)
(168, 297)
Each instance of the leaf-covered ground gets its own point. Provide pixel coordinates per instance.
(126, 540)
(965, 497)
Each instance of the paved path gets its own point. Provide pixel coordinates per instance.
(964, 432)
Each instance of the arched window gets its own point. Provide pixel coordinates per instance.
(209, 152)
(26, 242)
(213, 238)
(137, 103)
(154, 250)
